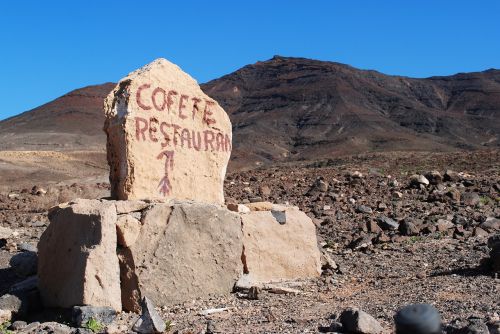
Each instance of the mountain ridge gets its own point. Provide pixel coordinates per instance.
(289, 109)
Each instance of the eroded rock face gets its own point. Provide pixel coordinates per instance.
(166, 139)
(77, 262)
(184, 250)
(279, 249)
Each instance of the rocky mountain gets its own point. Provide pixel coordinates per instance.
(73, 121)
(290, 109)
(300, 109)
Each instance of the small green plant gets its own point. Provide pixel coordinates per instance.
(439, 235)
(4, 328)
(484, 200)
(94, 325)
(168, 325)
(415, 238)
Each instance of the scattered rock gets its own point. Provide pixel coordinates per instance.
(491, 224)
(407, 227)
(82, 314)
(418, 319)
(357, 321)
(150, 321)
(5, 232)
(451, 176)
(373, 227)
(417, 179)
(241, 208)
(470, 199)
(387, 223)
(24, 264)
(265, 191)
(434, 177)
(363, 209)
(253, 293)
(443, 225)
(475, 326)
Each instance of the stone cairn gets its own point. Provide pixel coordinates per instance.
(166, 235)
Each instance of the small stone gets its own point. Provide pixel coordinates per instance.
(491, 224)
(18, 325)
(265, 190)
(320, 185)
(383, 238)
(357, 321)
(253, 293)
(27, 247)
(363, 209)
(210, 327)
(387, 223)
(13, 196)
(475, 326)
(241, 208)
(418, 319)
(5, 232)
(24, 264)
(382, 206)
(280, 216)
(373, 227)
(150, 321)
(417, 179)
(5, 316)
(454, 195)
(451, 176)
(470, 199)
(444, 225)
(10, 303)
(408, 228)
(434, 177)
(329, 263)
(82, 314)
(479, 232)
(397, 195)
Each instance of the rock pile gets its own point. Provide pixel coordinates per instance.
(167, 238)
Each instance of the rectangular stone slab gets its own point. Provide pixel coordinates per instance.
(166, 139)
(77, 261)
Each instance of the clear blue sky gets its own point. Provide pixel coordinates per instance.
(51, 47)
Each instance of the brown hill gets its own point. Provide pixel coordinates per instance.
(288, 109)
(73, 121)
(299, 109)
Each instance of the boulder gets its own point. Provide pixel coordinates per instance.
(77, 262)
(184, 250)
(166, 139)
(275, 251)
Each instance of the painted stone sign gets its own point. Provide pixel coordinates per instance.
(166, 138)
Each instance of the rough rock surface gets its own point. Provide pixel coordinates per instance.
(358, 321)
(277, 250)
(184, 250)
(166, 138)
(77, 262)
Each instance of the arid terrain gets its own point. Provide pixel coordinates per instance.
(436, 253)
(401, 177)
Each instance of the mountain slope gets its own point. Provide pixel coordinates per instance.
(73, 121)
(301, 109)
(288, 109)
